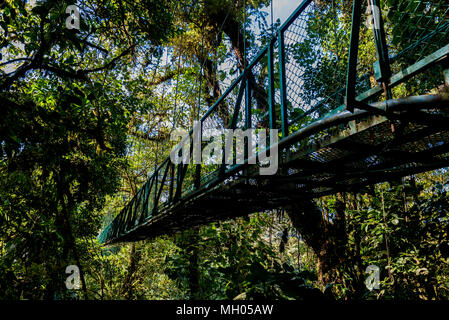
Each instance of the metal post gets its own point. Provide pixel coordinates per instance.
(351, 76)
(199, 139)
(124, 219)
(248, 113)
(183, 168)
(134, 209)
(271, 91)
(235, 116)
(128, 215)
(178, 181)
(283, 84)
(145, 202)
(381, 47)
(161, 188)
(248, 103)
(150, 187)
(155, 190)
(172, 182)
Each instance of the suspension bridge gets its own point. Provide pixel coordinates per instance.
(359, 97)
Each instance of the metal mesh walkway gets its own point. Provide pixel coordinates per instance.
(359, 97)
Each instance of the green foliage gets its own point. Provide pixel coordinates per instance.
(402, 228)
(416, 230)
(66, 110)
(85, 120)
(234, 259)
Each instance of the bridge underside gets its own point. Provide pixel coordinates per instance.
(359, 153)
(345, 122)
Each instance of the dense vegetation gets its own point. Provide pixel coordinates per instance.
(85, 116)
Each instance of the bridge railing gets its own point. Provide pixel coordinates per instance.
(327, 56)
(409, 40)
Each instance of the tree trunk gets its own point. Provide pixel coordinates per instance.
(328, 240)
(233, 29)
(308, 221)
(67, 234)
(189, 244)
(134, 257)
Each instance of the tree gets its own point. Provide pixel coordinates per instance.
(63, 132)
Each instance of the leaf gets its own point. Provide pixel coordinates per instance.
(39, 10)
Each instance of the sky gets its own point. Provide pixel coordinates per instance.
(282, 9)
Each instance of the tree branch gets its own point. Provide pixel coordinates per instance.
(14, 60)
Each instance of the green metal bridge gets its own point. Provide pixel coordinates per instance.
(359, 91)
